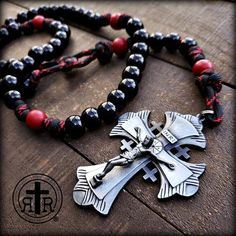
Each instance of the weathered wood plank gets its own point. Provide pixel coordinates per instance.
(182, 96)
(92, 89)
(41, 154)
(25, 152)
(210, 23)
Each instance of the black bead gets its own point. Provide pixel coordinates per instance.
(54, 11)
(22, 17)
(118, 98)
(27, 89)
(74, 127)
(140, 36)
(11, 97)
(9, 82)
(9, 20)
(65, 28)
(29, 63)
(48, 52)
(32, 13)
(129, 87)
(64, 11)
(21, 110)
(4, 36)
(136, 60)
(132, 72)
(133, 25)
(16, 68)
(36, 53)
(53, 27)
(62, 35)
(90, 118)
(140, 48)
(3, 68)
(172, 42)
(156, 42)
(44, 10)
(57, 45)
(14, 30)
(186, 44)
(107, 112)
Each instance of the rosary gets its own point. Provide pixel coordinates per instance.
(99, 185)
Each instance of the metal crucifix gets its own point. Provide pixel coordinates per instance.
(99, 185)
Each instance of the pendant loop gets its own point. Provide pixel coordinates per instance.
(203, 114)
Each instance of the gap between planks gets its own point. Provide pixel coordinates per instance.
(233, 86)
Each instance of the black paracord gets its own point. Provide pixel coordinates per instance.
(74, 126)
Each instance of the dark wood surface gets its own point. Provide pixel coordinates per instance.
(167, 85)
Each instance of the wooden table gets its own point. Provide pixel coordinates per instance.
(167, 85)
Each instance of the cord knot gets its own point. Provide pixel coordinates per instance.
(213, 80)
(104, 52)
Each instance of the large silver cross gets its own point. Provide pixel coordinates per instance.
(99, 185)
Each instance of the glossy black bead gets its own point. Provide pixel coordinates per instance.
(44, 10)
(74, 127)
(65, 28)
(11, 97)
(53, 27)
(133, 25)
(129, 87)
(27, 89)
(9, 20)
(54, 11)
(186, 44)
(14, 30)
(80, 15)
(132, 72)
(140, 36)
(22, 17)
(16, 68)
(8, 82)
(64, 11)
(29, 63)
(21, 110)
(48, 52)
(36, 53)
(4, 36)
(136, 60)
(32, 13)
(3, 68)
(172, 41)
(90, 118)
(107, 112)
(57, 45)
(140, 48)
(62, 35)
(118, 98)
(156, 41)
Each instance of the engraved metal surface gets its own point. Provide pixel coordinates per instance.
(99, 185)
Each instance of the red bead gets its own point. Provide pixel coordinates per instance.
(35, 119)
(202, 66)
(38, 21)
(120, 46)
(114, 20)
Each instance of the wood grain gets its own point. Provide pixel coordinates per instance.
(164, 87)
(25, 152)
(211, 23)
